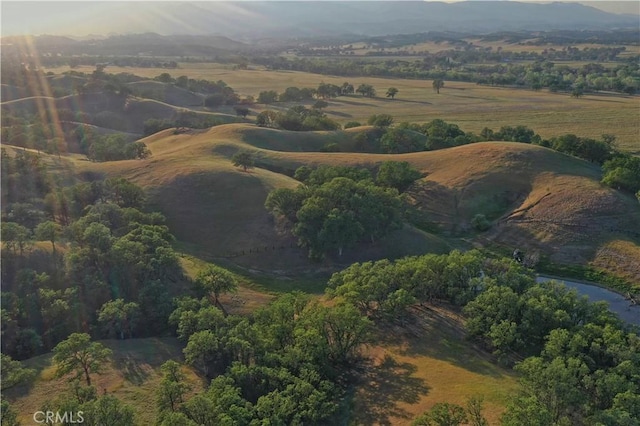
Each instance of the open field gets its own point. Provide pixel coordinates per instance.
(471, 106)
(361, 48)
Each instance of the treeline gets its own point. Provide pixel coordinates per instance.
(582, 364)
(110, 269)
(298, 118)
(182, 119)
(337, 207)
(623, 77)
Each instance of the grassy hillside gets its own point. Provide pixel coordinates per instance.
(429, 362)
(166, 92)
(538, 199)
(133, 376)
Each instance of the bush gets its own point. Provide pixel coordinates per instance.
(380, 120)
(480, 222)
(330, 147)
(351, 124)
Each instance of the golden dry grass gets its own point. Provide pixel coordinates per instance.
(426, 363)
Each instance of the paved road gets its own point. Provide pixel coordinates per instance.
(617, 303)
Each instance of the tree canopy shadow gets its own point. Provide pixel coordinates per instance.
(383, 387)
(132, 369)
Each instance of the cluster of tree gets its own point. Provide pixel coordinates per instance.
(622, 171)
(410, 137)
(219, 92)
(115, 273)
(297, 118)
(295, 94)
(188, 119)
(338, 207)
(384, 290)
(24, 180)
(116, 147)
(287, 363)
(582, 364)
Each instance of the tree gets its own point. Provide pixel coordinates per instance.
(380, 120)
(392, 92)
(480, 222)
(16, 237)
(474, 411)
(320, 104)
(346, 88)
(164, 78)
(48, 231)
(118, 318)
(396, 174)
(241, 111)
(13, 373)
(202, 350)
(267, 97)
(438, 84)
(170, 394)
(77, 354)
(8, 416)
(366, 90)
(267, 118)
(214, 281)
(109, 410)
(243, 159)
(442, 414)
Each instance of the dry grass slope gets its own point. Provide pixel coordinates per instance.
(537, 199)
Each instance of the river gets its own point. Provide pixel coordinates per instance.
(617, 303)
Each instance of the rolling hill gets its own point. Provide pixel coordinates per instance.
(538, 199)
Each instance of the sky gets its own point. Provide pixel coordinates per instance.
(55, 17)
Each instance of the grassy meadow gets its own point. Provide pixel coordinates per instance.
(471, 106)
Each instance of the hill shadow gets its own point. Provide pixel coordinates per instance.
(385, 386)
(404, 101)
(354, 103)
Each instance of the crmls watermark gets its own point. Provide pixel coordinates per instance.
(53, 417)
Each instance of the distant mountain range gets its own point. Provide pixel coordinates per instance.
(248, 19)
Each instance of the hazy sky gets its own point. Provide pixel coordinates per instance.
(79, 17)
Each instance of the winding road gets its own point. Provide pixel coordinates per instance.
(617, 303)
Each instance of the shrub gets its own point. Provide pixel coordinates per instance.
(480, 222)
